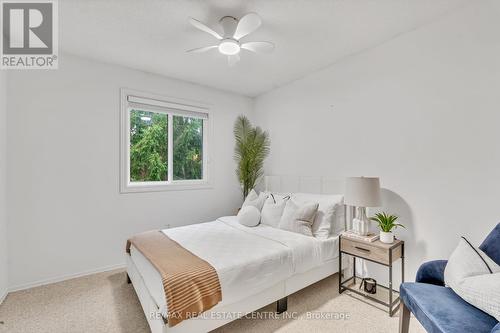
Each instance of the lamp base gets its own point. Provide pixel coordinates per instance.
(361, 223)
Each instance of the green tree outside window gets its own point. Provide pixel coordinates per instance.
(149, 147)
(188, 143)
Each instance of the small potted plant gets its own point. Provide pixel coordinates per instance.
(386, 223)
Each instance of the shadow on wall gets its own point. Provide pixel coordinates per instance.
(393, 203)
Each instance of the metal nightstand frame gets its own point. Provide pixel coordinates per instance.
(391, 304)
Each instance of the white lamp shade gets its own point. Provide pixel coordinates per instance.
(363, 192)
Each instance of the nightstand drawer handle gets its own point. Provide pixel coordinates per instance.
(362, 249)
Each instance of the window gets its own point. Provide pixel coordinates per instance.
(188, 148)
(164, 143)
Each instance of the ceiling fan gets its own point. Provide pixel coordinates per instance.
(234, 30)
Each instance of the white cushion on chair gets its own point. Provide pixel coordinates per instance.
(475, 277)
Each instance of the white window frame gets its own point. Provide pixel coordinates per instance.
(170, 106)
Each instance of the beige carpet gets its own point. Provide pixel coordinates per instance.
(106, 303)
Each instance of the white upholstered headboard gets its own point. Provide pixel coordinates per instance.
(308, 184)
(304, 184)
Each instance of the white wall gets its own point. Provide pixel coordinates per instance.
(3, 198)
(421, 112)
(66, 215)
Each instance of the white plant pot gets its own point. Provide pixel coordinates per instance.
(386, 237)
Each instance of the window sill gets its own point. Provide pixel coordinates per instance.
(165, 187)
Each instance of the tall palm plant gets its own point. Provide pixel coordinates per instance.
(251, 149)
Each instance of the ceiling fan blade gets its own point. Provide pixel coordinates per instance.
(202, 49)
(258, 47)
(247, 24)
(233, 59)
(204, 27)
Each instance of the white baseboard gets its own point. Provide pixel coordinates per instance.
(64, 278)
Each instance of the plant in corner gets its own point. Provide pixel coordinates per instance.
(251, 149)
(386, 223)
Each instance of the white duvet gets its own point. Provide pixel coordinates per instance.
(247, 260)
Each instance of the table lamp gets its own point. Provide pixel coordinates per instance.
(362, 192)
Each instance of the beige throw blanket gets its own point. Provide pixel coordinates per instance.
(191, 284)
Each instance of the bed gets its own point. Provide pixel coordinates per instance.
(270, 265)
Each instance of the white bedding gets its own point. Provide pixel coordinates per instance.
(247, 260)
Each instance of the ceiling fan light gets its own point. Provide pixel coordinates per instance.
(229, 47)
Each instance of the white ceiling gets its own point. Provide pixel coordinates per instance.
(153, 35)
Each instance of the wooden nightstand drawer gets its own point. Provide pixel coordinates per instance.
(375, 251)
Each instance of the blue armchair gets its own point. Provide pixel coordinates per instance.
(437, 307)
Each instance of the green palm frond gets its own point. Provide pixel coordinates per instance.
(252, 146)
(386, 222)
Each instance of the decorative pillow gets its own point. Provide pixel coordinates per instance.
(475, 277)
(330, 217)
(273, 209)
(249, 216)
(254, 199)
(299, 217)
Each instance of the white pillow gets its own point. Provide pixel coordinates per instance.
(330, 217)
(475, 277)
(254, 199)
(273, 209)
(249, 216)
(299, 217)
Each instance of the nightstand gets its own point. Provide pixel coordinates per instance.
(379, 253)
